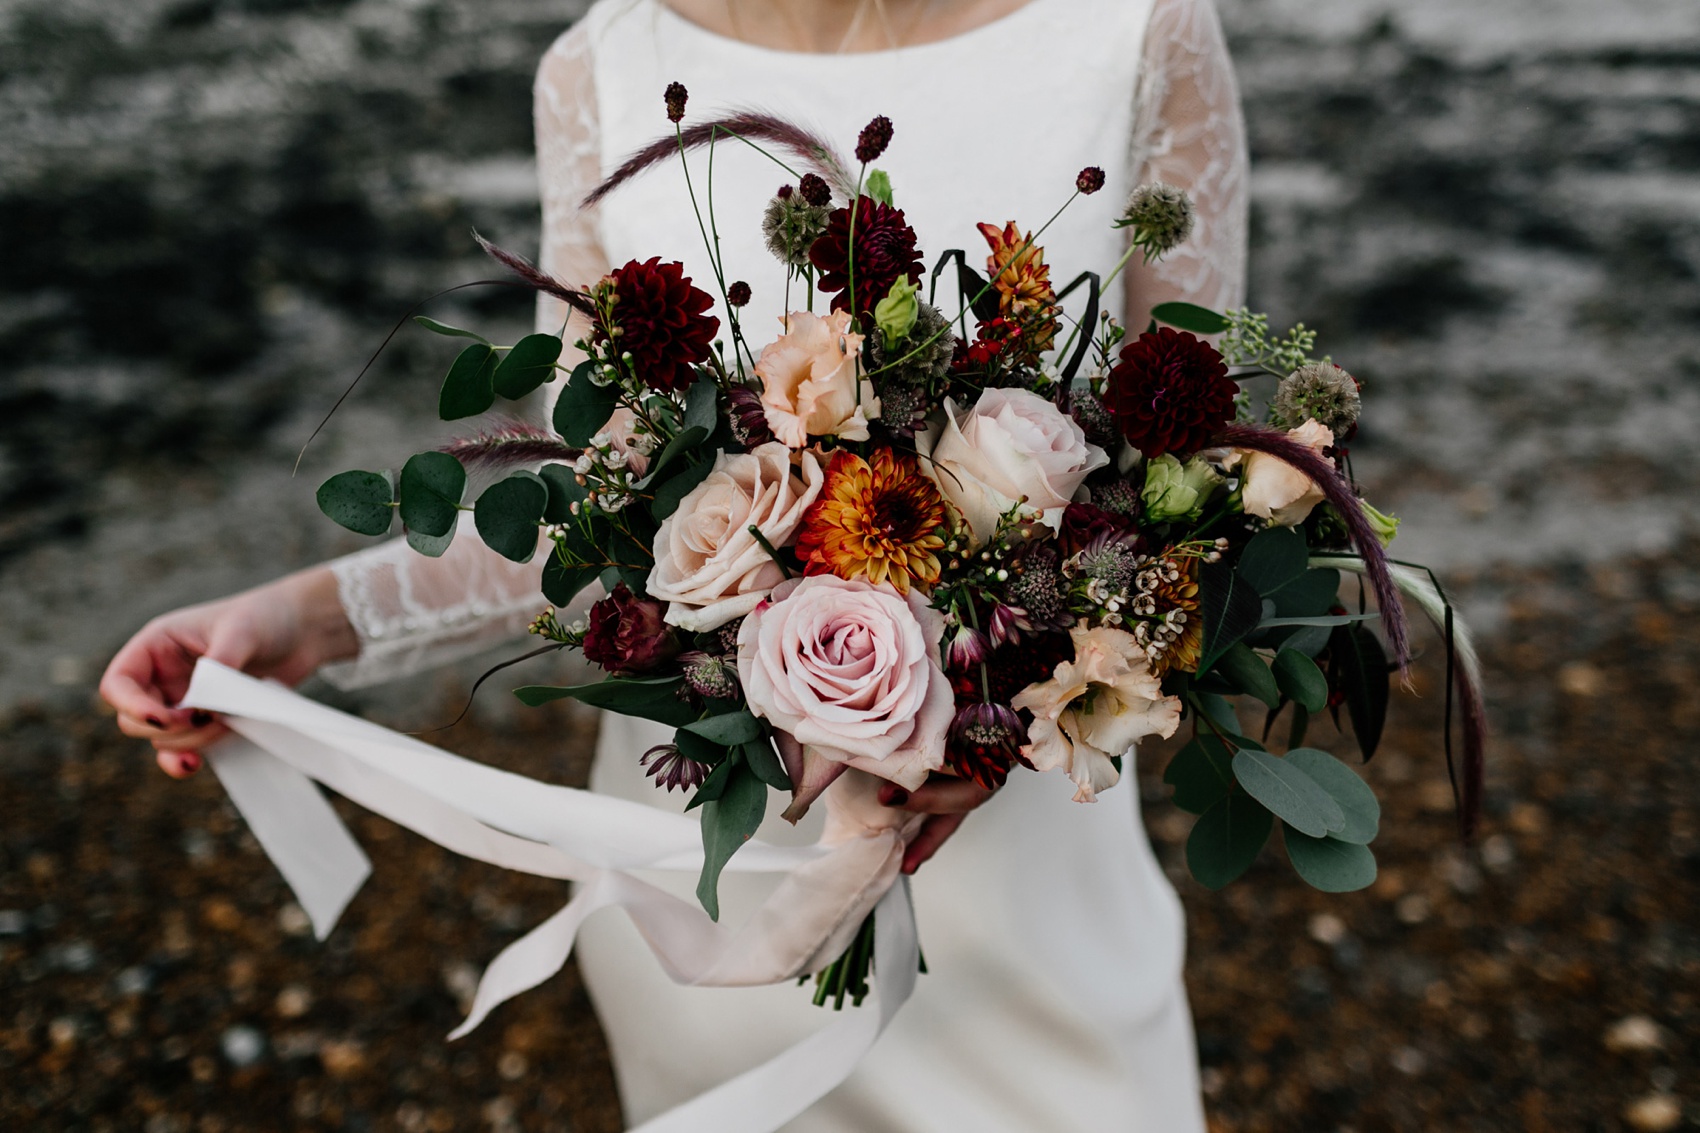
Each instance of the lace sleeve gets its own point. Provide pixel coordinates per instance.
(1189, 131)
(409, 611)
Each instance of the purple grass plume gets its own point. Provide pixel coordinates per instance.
(535, 277)
(756, 126)
(510, 444)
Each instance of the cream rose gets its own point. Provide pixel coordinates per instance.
(1012, 447)
(809, 378)
(1095, 708)
(1274, 489)
(849, 671)
(708, 567)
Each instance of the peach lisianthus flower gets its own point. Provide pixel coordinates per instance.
(1274, 489)
(1094, 709)
(811, 383)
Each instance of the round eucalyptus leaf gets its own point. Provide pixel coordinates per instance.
(467, 390)
(1329, 864)
(584, 407)
(1283, 787)
(430, 545)
(1226, 839)
(508, 513)
(1357, 801)
(528, 365)
(360, 501)
(430, 490)
(1300, 680)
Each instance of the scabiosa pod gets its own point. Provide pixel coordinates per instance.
(792, 223)
(1319, 391)
(1161, 217)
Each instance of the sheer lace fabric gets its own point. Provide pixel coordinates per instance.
(410, 611)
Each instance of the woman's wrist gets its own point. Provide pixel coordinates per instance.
(326, 633)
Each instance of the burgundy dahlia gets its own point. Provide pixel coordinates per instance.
(627, 634)
(1170, 393)
(885, 253)
(662, 322)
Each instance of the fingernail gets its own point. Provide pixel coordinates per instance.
(893, 796)
(199, 718)
(190, 761)
(156, 722)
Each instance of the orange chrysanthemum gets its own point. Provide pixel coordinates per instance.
(880, 521)
(1023, 283)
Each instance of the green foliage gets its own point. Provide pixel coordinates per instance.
(1246, 671)
(363, 502)
(669, 495)
(1231, 608)
(1226, 839)
(1311, 594)
(584, 407)
(765, 762)
(432, 546)
(468, 390)
(650, 698)
(727, 823)
(435, 327)
(1201, 773)
(1273, 559)
(877, 185)
(563, 581)
(728, 730)
(1358, 665)
(1300, 680)
(1190, 316)
(429, 491)
(1354, 797)
(564, 492)
(1248, 342)
(702, 406)
(1330, 864)
(677, 448)
(508, 514)
(528, 365)
(1283, 787)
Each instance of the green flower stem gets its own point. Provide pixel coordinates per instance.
(755, 532)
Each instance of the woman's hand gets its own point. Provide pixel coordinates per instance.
(946, 800)
(283, 630)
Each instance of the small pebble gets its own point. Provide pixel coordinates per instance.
(294, 1001)
(1634, 1033)
(134, 981)
(1409, 1060)
(1498, 853)
(1326, 928)
(293, 920)
(13, 922)
(342, 1058)
(1654, 1113)
(512, 1066)
(1412, 909)
(242, 1046)
(62, 1031)
(1581, 679)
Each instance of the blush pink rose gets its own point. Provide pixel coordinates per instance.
(810, 379)
(849, 671)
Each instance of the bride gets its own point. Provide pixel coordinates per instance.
(1054, 943)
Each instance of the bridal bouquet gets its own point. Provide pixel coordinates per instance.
(909, 541)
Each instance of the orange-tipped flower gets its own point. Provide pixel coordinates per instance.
(880, 521)
(1022, 280)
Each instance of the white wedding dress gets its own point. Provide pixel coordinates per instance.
(1054, 943)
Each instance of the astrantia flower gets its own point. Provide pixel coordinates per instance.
(966, 647)
(1094, 708)
(1022, 280)
(1117, 496)
(791, 225)
(662, 322)
(1037, 587)
(877, 520)
(709, 676)
(672, 769)
(1161, 217)
(1319, 391)
(748, 420)
(885, 253)
(627, 634)
(1170, 392)
(983, 743)
(904, 409)
(1095, 419)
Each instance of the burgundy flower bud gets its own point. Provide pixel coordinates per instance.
(1007, 623)
(627, 634)
(815, 190)
(709, 676)
(676, 96)
(966, 647)
(1091, 179)
(748, 418)
(785, 192)
(738, 294)
(875, 136)
(671, 769)
(983, 742)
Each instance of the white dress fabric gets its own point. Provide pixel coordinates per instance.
(1054, 942)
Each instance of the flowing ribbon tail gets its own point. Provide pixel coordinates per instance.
(286, 742)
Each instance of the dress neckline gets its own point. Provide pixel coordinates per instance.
(823, 58)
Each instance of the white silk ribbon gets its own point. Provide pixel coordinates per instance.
(284, 742)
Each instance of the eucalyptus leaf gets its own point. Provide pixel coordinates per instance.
(1300, 680)
(650, 698)
(1294, 797)
(1321, 620)
(564, 492)
(467, 390)
(431, 546)
(714, 785)
(702, 406)
(1312, 593)
(584, 407)
(1357, 801)
(1230, 607)
(729, 730)
(1201, 773)
(435, 327)
(694, 747)
(508, 513)
(429, 490)
(1309, 640)
(688, 439)
(1273, 559)
(528, 365)
(1329, 864)
(727, 823)
(360, 501)
(765, 762)
(1226, 839)
(563, 582)
(1221, 711)
(1190, 316)
(669, 495)
(1247, 672)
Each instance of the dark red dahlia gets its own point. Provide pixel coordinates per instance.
(627, 634)
(662, 322)
(885, 253)
(1170, 392)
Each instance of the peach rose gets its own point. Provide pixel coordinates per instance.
(1095, 708)
(810, 381)
(1012, 446)
(849, 671)
(1274, 489)
(708, 566)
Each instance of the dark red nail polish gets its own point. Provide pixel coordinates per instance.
(199, 718)
(191, 762)
(156, 722)
(894, 796)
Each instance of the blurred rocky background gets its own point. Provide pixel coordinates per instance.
(211, 210)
